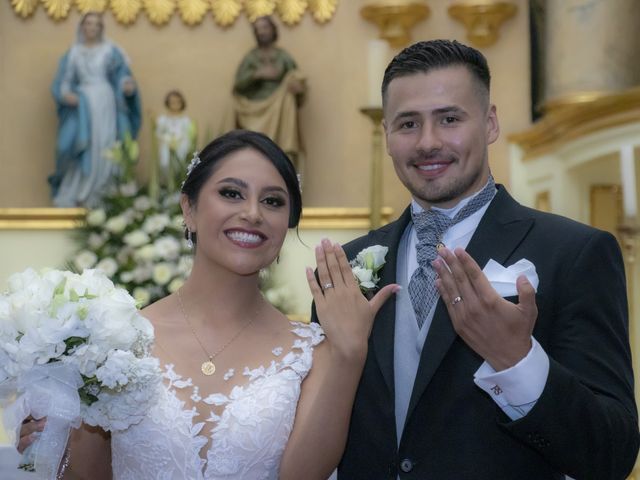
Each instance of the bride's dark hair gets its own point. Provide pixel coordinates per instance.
(238, 140)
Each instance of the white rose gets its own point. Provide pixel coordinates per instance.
(141, 295)
(108, 265)
(136, 238)
(85, 259)
(110, 319)
(162, 273)
(364, 277)
(372, 257)
(116, 224)
(96, 217)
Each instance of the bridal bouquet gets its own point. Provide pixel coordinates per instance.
(73, 348)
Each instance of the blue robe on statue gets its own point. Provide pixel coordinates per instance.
(104, 114)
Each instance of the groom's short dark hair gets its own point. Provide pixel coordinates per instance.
(422, 57)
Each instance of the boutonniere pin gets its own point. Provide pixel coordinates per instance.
(365, 268)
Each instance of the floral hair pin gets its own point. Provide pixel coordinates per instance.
(195, 161)
(365, 268)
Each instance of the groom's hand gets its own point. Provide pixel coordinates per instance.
(496, 329)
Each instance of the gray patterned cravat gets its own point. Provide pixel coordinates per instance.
(430, 226)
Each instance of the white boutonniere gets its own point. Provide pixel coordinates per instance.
(367, 265)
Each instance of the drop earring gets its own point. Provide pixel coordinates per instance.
(189, 239)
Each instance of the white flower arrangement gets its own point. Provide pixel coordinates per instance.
(367, 265)
(73, 348)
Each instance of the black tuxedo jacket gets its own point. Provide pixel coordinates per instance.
(585, 423)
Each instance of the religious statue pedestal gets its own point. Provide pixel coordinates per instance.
(375, 197)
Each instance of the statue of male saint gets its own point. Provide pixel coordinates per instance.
(267, 91)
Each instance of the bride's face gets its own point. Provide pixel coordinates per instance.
(242, 213)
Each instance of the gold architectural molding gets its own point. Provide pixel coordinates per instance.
(313, 218)
(483, 19)
(192, 12)
(561, 125)
(40, 218)
(395, 18)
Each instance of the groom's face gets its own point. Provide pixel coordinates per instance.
(438, 126)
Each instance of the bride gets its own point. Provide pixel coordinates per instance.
(248, 394)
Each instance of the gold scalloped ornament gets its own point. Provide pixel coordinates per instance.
(159, 11)
(125, 11)
(291, 11)
(225, 12)
(259, 8)
(91, 5)
(323, 10)
(24, 8)
(57, 9)
(192, 11)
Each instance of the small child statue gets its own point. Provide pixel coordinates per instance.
(176, 136)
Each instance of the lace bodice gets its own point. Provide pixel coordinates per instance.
(247, 436)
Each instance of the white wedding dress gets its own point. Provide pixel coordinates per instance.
(247, 438)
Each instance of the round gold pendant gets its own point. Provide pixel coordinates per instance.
(440, 245)
(208, 368)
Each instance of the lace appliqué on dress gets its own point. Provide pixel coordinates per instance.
(248, 438)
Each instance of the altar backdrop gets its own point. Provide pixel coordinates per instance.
(201, 61)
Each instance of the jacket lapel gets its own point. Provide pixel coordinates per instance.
(382, 332)
(499, 233)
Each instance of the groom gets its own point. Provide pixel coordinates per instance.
(461, 383)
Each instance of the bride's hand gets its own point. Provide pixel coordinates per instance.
(29, 427)
(344, 312)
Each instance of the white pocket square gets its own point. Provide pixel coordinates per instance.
(504, 279)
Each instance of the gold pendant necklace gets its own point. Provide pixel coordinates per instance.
(208, 367)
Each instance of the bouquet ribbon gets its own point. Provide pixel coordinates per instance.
(50, 391)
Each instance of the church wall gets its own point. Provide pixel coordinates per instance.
(201, 62)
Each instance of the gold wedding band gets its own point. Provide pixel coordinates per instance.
(456, 300)
(326, 286)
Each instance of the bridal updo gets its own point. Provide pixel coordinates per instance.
(204, 164)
